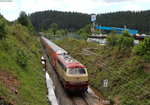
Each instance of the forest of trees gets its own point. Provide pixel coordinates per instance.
(73, 21)
(133, 20)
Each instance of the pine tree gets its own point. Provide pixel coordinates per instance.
(25, 21)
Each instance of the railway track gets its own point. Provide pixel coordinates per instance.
(79, 101)
(78, 98)
(84, 99)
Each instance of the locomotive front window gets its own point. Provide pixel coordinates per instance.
(73, 71)
(77, 71)
(81, 71)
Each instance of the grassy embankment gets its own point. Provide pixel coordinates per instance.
(128, 74)
(22, 80)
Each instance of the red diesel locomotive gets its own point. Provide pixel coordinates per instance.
(72, 73)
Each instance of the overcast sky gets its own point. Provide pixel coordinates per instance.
(11, 10)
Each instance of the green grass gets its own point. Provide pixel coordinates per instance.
(19, 56)
(126, 72)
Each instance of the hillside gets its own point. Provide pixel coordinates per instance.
(65, 20)
(74, 21)
(128, 73)
(133, 20)
(22, 80)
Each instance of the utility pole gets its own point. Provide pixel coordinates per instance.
(125, 27)
(93, 19)
(105, 81)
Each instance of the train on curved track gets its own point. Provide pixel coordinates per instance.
(72, 73)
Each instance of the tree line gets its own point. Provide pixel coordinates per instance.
(73, 21)
(133, 20)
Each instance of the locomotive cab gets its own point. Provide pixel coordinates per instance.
(77, 79)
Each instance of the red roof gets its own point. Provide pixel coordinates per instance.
(72, 64)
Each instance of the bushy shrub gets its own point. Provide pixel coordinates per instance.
(111, 40)
(3, 29)
(126, 34)
(122, 42)
(54, 27)
(143, 48)
(85, 31)
(25, 21)
(21, 56)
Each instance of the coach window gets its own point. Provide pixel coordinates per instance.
(73, 71)
(81, 71)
